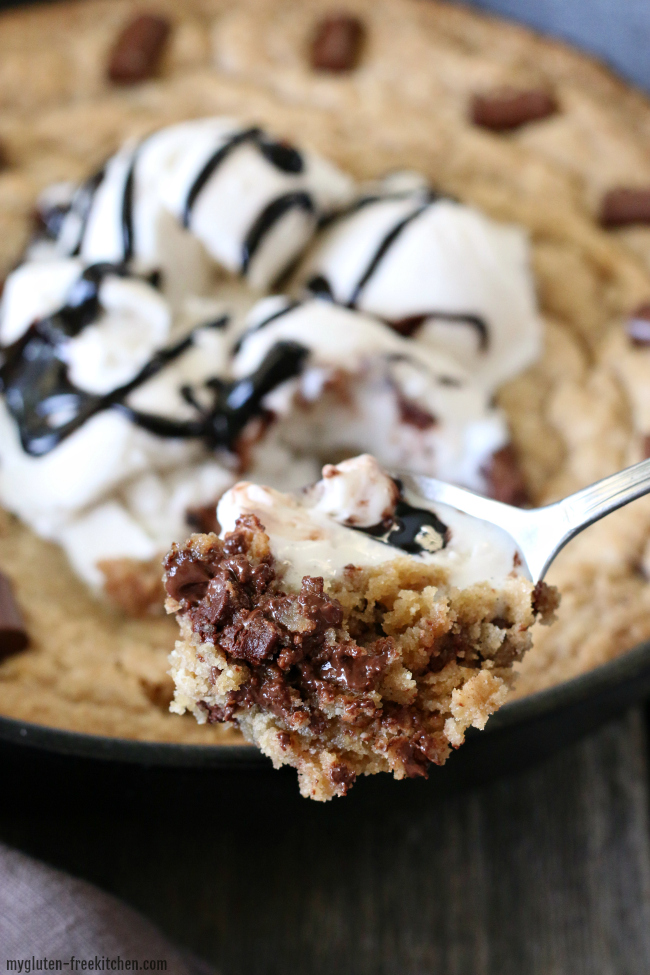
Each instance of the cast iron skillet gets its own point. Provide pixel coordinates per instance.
(37, 761)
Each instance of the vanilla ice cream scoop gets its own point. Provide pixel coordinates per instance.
(438, 271)
(210, 193)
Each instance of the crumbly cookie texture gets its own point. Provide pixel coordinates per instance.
(576, 416)
(379, 669)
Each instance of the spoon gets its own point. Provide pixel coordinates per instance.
(540, 533)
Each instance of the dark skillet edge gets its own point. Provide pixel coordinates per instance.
(572, 708)
(625, 679)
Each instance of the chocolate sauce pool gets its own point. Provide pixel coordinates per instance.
(414, 530)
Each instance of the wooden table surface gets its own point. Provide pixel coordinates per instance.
(546, 872)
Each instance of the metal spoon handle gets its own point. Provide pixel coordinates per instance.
(575, 513)
(541, 533)
(593, 502)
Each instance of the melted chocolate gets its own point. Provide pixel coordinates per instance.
(48, 407)
(414, 530)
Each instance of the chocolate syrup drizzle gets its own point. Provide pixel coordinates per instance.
(128, 244)
(82, 204)
(36, 386)
(269, 216)
(213, 163)
(281, 155)
(289, 306)
(413, 323)
(382, 249)
(320, 287)
(414, 530)
(34, 377)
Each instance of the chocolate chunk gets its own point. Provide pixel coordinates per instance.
(637, 326)
(223, 599)
(624, 206)
(13, 635)
(316, 606)
(284, 740)
(546, 600)
(138, 49)
(337, 43)
(343, 775)
(239, 541)
(216, 714)
(359, 668)
(505, 479)
(186, 578)
(508, 108)
(416, 754)
(258, 640)
(269, 689)
(203, 519)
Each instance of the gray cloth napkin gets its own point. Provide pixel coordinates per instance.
(46, 914)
